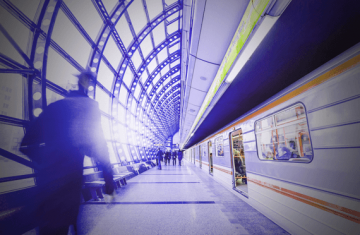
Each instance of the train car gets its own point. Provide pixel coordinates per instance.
(295, 157)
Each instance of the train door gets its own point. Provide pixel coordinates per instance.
(200, 155)
(210, 158)
(190, 155)
(193, 152)
(238, 161)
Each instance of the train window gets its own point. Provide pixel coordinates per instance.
(292, 114)
(219, 145)
(286, 139)
(265, 123)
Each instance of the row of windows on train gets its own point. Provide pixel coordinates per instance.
(282, 136)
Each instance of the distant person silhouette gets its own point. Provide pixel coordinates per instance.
(180, 156)
(174, 155)
(165, 157)
(159, 157)
(57, 142)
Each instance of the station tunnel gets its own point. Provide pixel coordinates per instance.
(209, 117)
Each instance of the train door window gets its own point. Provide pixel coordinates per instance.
(210, 157)
(238, 161)
(287, 136)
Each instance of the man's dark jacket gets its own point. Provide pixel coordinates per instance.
(57, 142)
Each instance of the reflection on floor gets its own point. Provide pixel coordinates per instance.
(174, 200)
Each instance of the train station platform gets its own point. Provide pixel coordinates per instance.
(174, 200)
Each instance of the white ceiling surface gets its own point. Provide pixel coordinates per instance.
(214, 25)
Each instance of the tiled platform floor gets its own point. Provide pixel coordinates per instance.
(174, 200)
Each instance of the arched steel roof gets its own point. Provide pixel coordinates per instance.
(135, 54)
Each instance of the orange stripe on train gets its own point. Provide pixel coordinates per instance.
(320, 204)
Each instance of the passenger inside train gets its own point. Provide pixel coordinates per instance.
(286, 138)
(240, 178)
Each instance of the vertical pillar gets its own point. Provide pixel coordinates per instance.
(171, 143)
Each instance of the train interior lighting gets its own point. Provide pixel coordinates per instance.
(238, 161)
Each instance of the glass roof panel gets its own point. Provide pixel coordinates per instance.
(176, 62)
(113, 158)
(29, 8)
(12, 83)
(154, 7)
(123, 30)
(122, 136)
(159, 34)
(143, 102)
(109, 4)
(156, 79)
(103, 98)
(123, 95)
(59, 71)
(112, 53)
(105, 127)
(143, 77)
(146, 46)
(17, 31)
(137, 91)
(173, 16)
(173, 27)
(137, 15)
(121, 113)
(86, 14)
(136, 59)
(149, 89)
(105, 76)
(165, 69)
(174, 48)
(128, 76)
(133, 106)
(152, 65)
(162, 55)
(126, 151)
(169, 2)
(70, 39)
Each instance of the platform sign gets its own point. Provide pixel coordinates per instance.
(250, 18)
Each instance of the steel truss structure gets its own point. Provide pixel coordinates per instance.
(143, 107)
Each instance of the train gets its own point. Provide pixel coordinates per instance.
(295, 157)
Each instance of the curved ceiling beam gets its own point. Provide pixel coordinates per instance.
(165, 88)
(172, 58)
(163, 78)
(108, 29)
(169, 96)
(153, 91)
